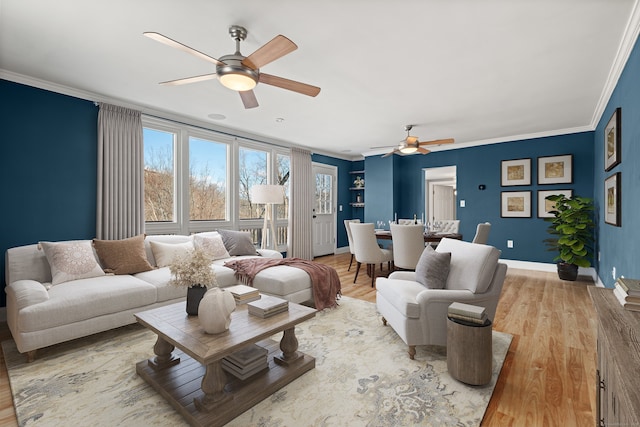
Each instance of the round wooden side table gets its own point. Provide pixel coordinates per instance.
(469, 351)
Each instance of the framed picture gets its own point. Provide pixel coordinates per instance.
(515, 172)
(515, 204)
(545, 206)
(612, 205)
(612, 138)
(555, 169)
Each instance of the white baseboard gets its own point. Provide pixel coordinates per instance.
(543, 266)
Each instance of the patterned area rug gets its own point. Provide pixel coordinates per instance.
(363, 377)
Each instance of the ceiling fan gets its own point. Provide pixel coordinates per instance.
(411, 145)
(242, 73)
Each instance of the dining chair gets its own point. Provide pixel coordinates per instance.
(347, 222)
(482, 233)
(408, 244)
(367, 250)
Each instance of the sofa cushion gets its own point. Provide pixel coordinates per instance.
(165, 253)
(160, 278)
(126, 256)
(212, 245)
(83, 299)
(71, 260)
(238, 242)
(432, 269)
(472, 265)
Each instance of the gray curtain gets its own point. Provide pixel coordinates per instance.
(301, 206)
(120, 210)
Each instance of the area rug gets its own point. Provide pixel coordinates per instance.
(363, 377)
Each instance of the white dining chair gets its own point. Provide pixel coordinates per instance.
(347, 222)
(408, 244)
(367, 250)
(482, 233)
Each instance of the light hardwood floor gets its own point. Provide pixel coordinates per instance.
(548, 378)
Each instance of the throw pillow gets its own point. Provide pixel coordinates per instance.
(213, 246)
(238, 242)
(165, 253)
(71, 260)
(432, 269)
(126, 256)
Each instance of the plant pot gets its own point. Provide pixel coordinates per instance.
(194, 296)
(215, 310)
(567, 271)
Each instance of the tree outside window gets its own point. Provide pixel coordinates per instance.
(207, 180)
(159, 178)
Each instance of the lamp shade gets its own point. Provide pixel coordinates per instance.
(267, 194)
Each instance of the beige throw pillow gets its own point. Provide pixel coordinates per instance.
(71, 260)
(211, 245)
(165, 253)
(432, 269)
(126, 256)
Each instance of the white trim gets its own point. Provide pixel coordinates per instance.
(548, 267)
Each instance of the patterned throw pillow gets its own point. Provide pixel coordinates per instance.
(432, 269)
(71, 260)
(212, 245)
(126, 256)
(165, 253)
(238, 242)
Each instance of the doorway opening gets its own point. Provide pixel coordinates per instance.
(440, 193)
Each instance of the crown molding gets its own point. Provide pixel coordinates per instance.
(629, 38)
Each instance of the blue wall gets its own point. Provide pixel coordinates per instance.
(47, 167)
(481, 165)
(618, 245)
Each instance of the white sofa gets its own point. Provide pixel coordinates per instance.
(40, 315)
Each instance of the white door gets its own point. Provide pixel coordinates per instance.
(324, 212)
(443, 203)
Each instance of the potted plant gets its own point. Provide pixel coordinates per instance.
(572, 227)
(193, 271)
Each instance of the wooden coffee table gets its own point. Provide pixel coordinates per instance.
(191, 377)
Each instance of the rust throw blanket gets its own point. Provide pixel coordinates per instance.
(325, 281)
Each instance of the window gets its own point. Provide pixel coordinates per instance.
(159, 178)
(207, 180)
(324, 199)
(199, 180)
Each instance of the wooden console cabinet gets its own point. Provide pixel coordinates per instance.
(618, 364)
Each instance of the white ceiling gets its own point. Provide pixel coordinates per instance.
(478, 71)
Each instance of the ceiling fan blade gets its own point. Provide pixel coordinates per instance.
(183, 47)
(249, 99)
(423, 150)
(292, 85)
(390, 153)
(278, 47)
(438, 142)
(188, 80)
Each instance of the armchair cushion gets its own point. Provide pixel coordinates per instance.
(472, 266)
(432, 269)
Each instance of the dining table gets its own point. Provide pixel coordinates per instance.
(428, 237)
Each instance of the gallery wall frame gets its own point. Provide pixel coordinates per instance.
(545, 206)
(613, 140)
(515, 204)
(613, 200)
(515, 172)
(555, 169)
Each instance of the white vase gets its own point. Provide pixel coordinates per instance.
(215, 310)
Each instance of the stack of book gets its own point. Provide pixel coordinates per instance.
(267, 306)
(468, 313)
(628, 293)
(246, 362)
(243, 293)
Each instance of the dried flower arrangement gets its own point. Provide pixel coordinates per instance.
(192, 269)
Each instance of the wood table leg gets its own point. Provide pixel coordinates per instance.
(213, 384)
(289, 347)
(164, 357)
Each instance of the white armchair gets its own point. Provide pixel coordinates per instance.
(419, 315)
(408, 244)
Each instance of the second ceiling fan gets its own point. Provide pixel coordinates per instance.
(242, 73)
(411, 145)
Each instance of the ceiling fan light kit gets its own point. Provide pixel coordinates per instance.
(411, 145)
(242, 73)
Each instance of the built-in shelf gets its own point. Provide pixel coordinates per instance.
(356, 188)
(357, 205)
(359, 197)
(356, 172)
